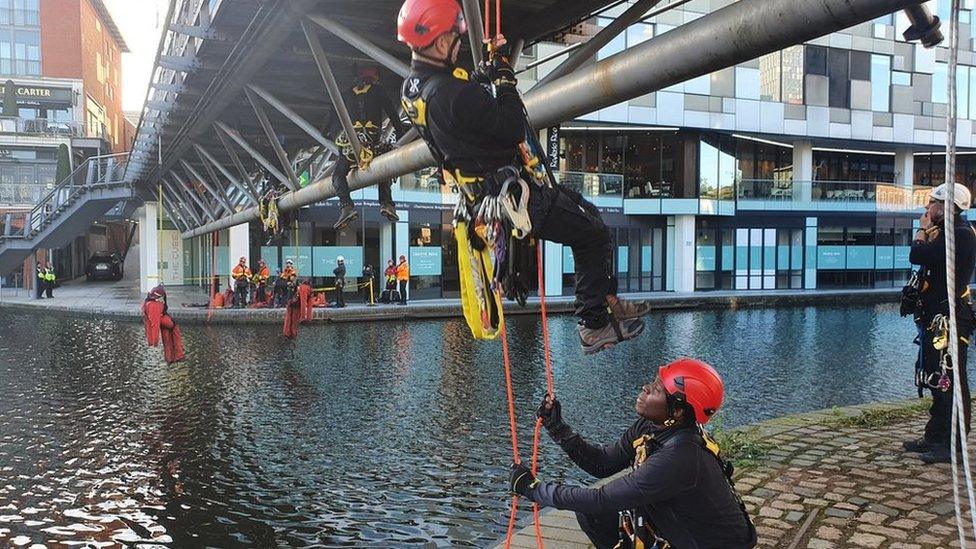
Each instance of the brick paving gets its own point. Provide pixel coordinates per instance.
(826, 482)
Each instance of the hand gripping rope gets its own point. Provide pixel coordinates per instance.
(958, 432)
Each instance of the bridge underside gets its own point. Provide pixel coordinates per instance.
(242, 94)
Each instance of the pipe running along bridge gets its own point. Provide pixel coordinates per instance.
(242, 89)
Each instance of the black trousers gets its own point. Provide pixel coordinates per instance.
(938, 428)
(240, 293)
(562, 215)
(340, 298)
(41, 284)
(340, 178)
(261, 293)
(49, 288)
(601, 529)
(403, 292)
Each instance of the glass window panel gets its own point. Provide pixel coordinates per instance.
(840, 84)
(972, 93)
(815, 60)
(962, 91)
(901, 78)
(880, 82)
(616, 45)
(860, 65)
(770, 76)
(792, 75)
(708, 170)
(940, 83)
(641, 32)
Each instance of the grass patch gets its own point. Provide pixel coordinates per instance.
(744, 447)
(873, 418)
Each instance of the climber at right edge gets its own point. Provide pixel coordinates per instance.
(476, 136)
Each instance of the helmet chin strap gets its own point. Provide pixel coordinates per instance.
(447, 60)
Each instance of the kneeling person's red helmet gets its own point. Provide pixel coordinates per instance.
(696, 383)
(420, 22)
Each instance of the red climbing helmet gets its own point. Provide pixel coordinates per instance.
(420, 22)
(692, 381)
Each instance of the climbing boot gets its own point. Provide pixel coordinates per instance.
(595, 340)
(346, 216)
(919, 445)
(626, 310)
(937, 454)
(388, 210)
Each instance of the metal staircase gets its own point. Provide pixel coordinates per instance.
(82, 198)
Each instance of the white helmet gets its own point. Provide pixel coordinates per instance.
(340, 259)
(961, 195)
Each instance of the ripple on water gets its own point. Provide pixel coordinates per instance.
(362, 435)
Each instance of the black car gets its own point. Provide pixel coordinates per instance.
(104, 265)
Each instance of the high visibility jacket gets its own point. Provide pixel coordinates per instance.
(403, 271)
(49, 275)
(289, 273)
(263, 274)
(241, 271)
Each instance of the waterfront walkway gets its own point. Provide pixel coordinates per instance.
(828, 479)
(123, 300)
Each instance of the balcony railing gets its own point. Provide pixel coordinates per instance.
(45, 127)
(97, 171)
(883, 195)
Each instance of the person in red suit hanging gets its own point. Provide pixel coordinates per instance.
(160, 325)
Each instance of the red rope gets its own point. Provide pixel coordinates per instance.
(498, 17)
(487, 19)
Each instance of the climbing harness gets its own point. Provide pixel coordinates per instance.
(636, 531)
(269, 214)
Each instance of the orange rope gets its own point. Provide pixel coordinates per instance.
(511, 424)
(487, 19)
(550, 383)
(498, 17)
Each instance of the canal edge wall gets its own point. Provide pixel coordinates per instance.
(129, 310)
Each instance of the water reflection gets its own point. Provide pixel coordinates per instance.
(386, 434)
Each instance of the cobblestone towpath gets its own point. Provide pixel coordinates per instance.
(829, 479)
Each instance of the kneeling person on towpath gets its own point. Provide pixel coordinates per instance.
(475, 137)
(679, 493)
(929, 296)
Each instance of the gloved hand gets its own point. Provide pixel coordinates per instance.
(499, 65)
(521, 481)
(551, 412)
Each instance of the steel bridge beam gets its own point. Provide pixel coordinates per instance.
(294, 117)
(325, 69)
(182, 204)
(253, 153)
(215, 191)
(356, 40)
(737, 33)
(273, 140)
(206, 158)
(191, 193)
(602, 38)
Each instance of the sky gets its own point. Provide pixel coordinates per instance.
(138, 20)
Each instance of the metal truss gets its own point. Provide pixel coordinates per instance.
(742, 31)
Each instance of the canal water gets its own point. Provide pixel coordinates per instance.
(367, 435)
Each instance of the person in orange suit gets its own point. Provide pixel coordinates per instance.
(293, 315)
(159, 325)
(305, 300)
(242, 277)
(290, 276)
(403, 277)
(263, 274)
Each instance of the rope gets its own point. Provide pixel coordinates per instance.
(958, 415)
(550, 384)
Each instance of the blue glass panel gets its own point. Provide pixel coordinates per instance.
(831, 257)
(705, 258)
(324, 260)
(425, 260)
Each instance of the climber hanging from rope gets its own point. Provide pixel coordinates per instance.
(477, 138)
(159, 325)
